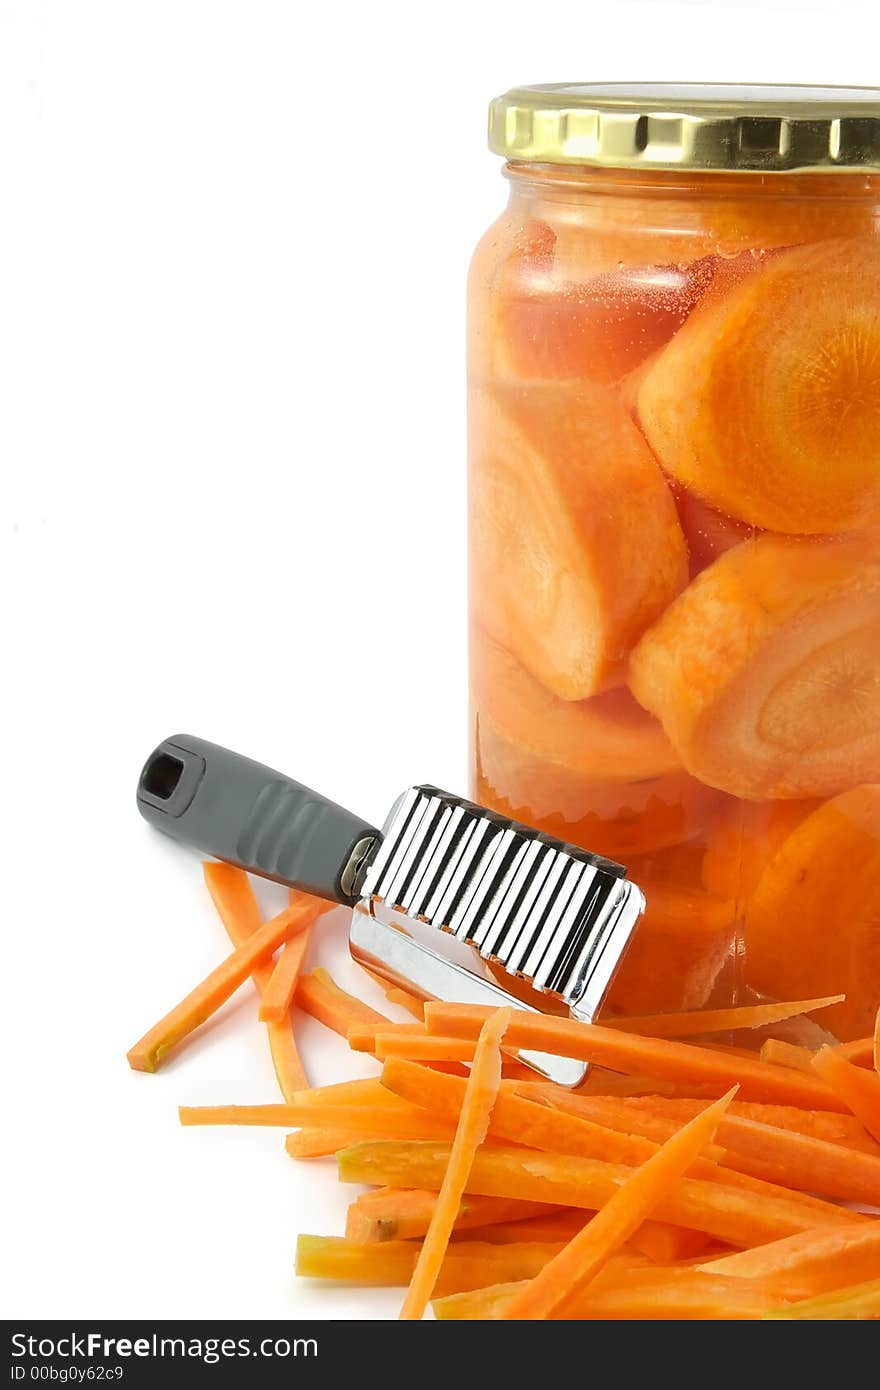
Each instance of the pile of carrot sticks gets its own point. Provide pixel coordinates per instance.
(683, 1180)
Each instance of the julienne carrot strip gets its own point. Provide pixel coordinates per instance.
(834, 1127)
(760, 1151)
(579, 1262)
(368, 1090)
(809, 1263)
(627, 1294)
(698, 1021)
(362, 1036)
(630, 1052)
(857, 1087)
(318, 994)
(278, 995)
(389, 1213)
(220, 985)
(785, 1054)
(727, 1166)
(860, 1052)
(418, 1047)
(399, 1121)
(860, 1301)
(318, 1142)
(234, 899)
(466, 1265)
(473, 1124)
(729, 1214)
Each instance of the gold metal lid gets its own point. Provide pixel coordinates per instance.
(656, 125)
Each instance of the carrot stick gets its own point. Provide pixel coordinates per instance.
(318, 1142)
(465, 1265)
(817, 1124)
(633, 1295)
(233, 897)
(861, 1301)
(278, 995)
(760, 1151)
(732, 1215)
(481, 1090)
(400, 1121)
(860, 1051)
(389, 1213)
(630, 1052)
(857, 1087)
(698, 1021)
(362, 1036)
(633, 1202)
(809, 1263)
(417, 1047)
(785, 1054)
(319, 995)
(368, 1090)
(216, 988)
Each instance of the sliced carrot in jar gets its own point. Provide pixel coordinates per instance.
(614, 818)
(767, 402)
(674, 959)
(741, 839)
(813, 918)
(707, 533)
(609, 736)
(765, 672)
(596, 326)
(575, 542)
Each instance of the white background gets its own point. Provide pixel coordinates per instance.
(233, 244)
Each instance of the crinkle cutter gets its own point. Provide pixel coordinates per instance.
(441, 872)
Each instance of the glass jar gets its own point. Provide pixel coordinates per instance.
(674, 420)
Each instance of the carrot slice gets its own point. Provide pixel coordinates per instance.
(576, 545)
(278, 995)
(808, 1263)
(319, 995)
(700, 1021)
(741, 838)
(859, 1301)
(729, 1214)
(614, 818)
(465, 1265)
(807, 922)
(579, 1262)
(675, 957)
(597, 326)
(405, 1214)
(763, 672)
(857, 1087)
(233, 897)
(608, 736)
(473, 1123)
(216, 988)
(630, 1052)
(763, 384)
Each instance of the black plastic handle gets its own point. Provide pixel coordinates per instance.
(234, 809)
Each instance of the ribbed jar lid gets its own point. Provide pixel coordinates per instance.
(656, 125)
